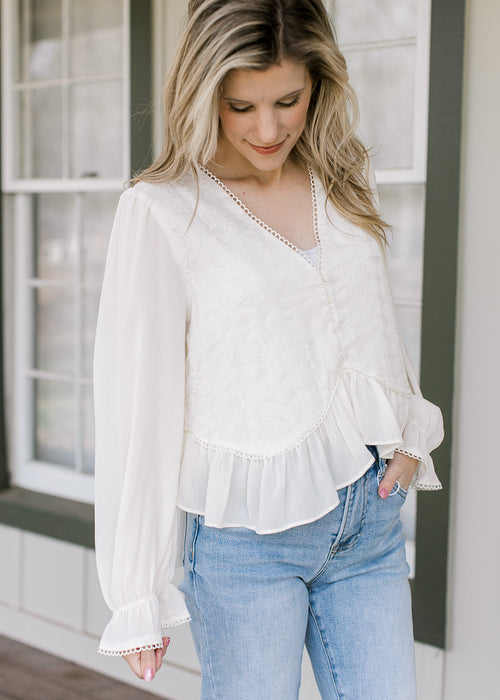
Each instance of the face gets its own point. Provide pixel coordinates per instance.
(263, 113)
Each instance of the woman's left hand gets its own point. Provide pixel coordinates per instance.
(400, 468)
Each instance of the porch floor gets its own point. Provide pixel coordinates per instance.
(26, 672)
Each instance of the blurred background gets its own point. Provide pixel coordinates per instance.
(81, 92)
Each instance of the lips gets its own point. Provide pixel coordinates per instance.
(267, 150)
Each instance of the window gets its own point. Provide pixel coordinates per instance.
(66, 155)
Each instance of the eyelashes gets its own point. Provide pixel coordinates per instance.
(283, 105)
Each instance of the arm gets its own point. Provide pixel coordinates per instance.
(139, 412)
(423, 431)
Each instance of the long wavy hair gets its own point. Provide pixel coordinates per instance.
(224, 35)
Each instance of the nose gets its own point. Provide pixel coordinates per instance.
(267, 127)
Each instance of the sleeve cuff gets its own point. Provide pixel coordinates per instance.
(138, 626)
(423, 433)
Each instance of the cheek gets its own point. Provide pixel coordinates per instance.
(232, 124)
(298, 120)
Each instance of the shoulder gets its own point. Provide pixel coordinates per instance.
(168, 193)
(171, 202)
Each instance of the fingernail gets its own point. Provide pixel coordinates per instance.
(149, 674)
(383, 493)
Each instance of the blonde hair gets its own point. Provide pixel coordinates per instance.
(225, 35)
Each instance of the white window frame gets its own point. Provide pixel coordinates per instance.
(417, 173)
(11, 184)
(28, 472)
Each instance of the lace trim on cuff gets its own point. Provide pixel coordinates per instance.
(175, 623)
(415, 483)
(144, 647)
(409, 454)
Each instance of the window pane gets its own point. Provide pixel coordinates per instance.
(359, 21)
(90, 308)
(403, 207)
(384, 80)
(55, 422)
(40, 44)
(55, 244)
(97, 129)
(40, 133)
(98, 214)
(96, 36)
(55, 330)
(88, 429)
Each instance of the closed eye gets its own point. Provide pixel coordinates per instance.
(243, 110)
(290, 104)
(239, 110)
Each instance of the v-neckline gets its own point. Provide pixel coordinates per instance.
(269, 229)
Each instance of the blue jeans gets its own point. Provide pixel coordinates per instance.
(338, 584)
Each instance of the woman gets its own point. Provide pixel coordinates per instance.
(256, 415)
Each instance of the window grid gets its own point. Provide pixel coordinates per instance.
(36, 474)
(17, 131)
(421, 41)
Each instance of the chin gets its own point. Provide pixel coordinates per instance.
(267, 162)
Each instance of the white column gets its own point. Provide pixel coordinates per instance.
(472, 667)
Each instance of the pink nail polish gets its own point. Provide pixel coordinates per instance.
(148, 674)
(167, 642)
(383, 493)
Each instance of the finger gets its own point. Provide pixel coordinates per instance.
(405, 467)
(160, 653)
(166, 642)
(158, 659)
(134, 661)
(392, 474)
(386, 485)
(148, 664)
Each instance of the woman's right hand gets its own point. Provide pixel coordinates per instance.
(145, 664)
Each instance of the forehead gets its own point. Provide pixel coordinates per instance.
(250, 85)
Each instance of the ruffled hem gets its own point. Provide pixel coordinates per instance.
(138, 626)
(295, 486)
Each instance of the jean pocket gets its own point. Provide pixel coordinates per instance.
(399, 490)
(381, 469)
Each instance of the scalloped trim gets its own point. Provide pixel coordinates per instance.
(146, 647)
(409, 454)
(419, 486)
(175, 623)
(310, 430)
(268, 228)
(143, 647)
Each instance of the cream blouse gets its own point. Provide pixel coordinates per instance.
(236, 377)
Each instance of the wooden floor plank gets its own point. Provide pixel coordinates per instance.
(26, 672)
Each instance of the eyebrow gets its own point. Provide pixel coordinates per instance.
(280, 99)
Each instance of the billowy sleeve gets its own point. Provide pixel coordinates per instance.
(423, 428)
(422, 433)
(139, 382)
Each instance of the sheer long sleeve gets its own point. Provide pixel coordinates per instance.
(139, 383)
(422, 433)
(423, 430)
